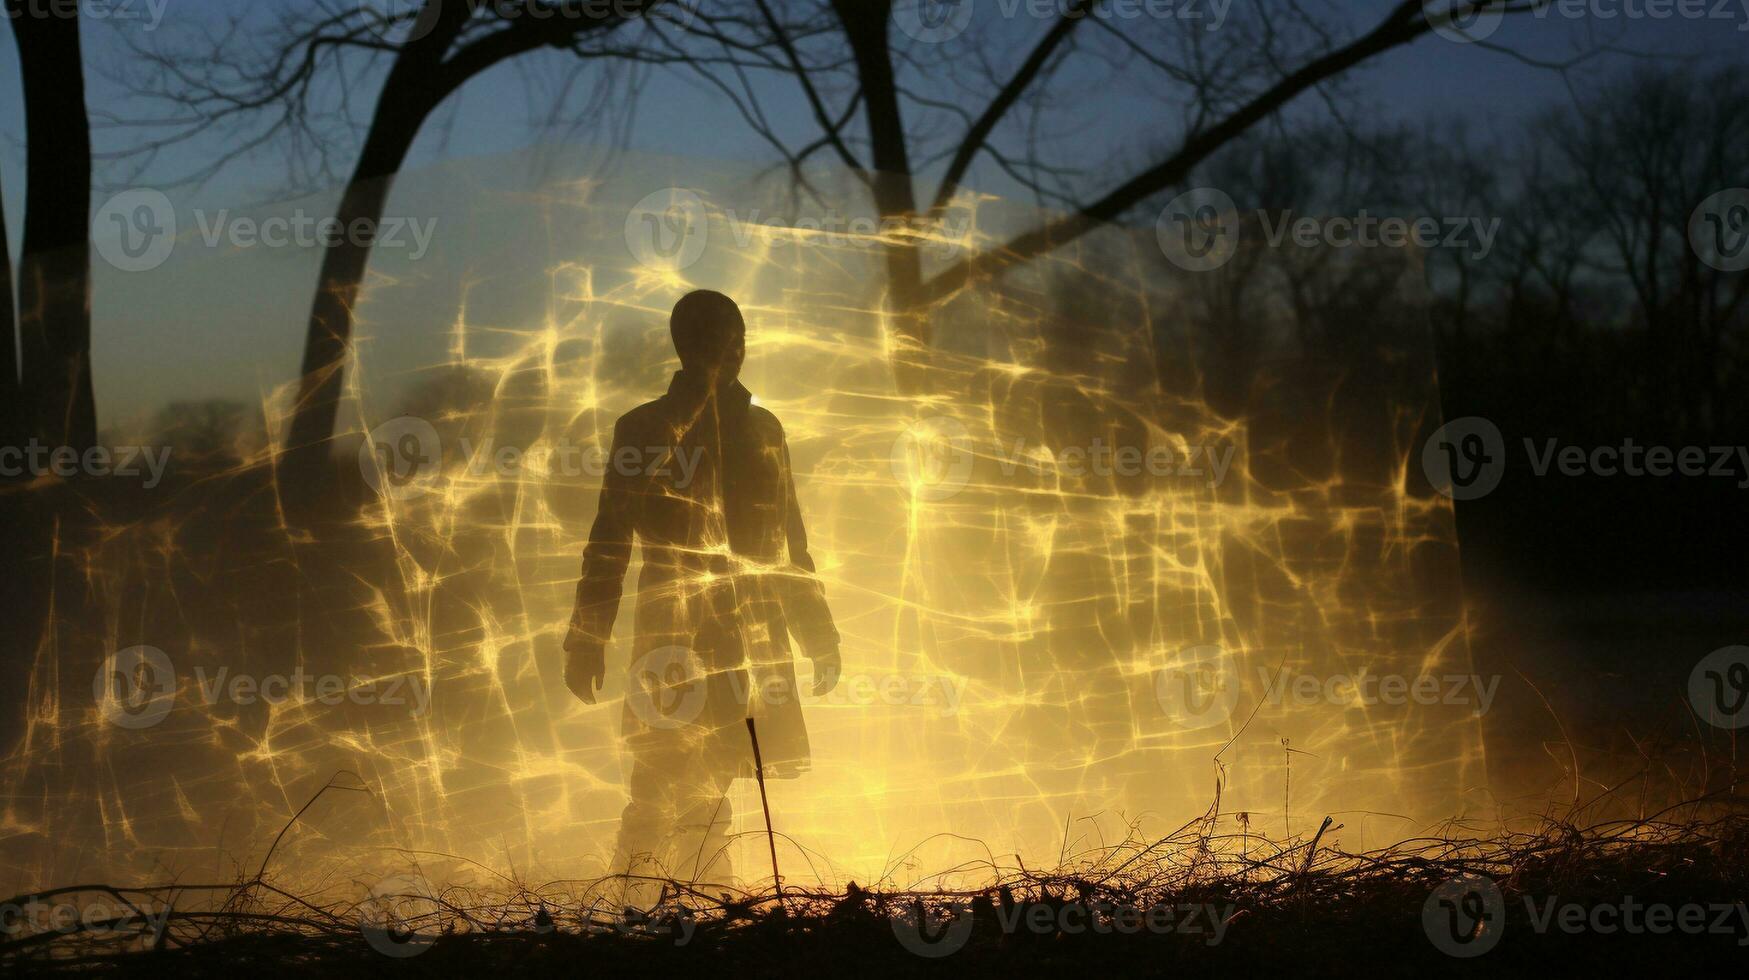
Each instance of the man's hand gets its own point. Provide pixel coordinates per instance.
(585, 669)
(827, 667)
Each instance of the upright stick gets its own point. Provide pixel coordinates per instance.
(765, 804)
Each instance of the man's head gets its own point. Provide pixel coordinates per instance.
(710, 336)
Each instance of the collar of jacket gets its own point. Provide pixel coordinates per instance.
(683, 389)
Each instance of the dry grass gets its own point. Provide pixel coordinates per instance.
(1296, 905)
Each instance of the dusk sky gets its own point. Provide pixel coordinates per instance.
(1432, 80)
(1432, 84)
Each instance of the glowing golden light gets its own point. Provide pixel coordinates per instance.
(1015, 613)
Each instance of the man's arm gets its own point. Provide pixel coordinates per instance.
(603, 581)
(804, 598)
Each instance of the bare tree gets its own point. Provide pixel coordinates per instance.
(276, 90)
(1644, 153)
(842, 56)
(1223, 87)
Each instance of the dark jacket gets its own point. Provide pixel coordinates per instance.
(704, 486)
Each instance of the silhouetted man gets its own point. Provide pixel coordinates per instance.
(701, 479)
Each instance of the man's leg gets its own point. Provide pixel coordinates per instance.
(702, 835)
(647, 823)
(705, 813)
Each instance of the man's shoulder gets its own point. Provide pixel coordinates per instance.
(765, 423)
(764, 417)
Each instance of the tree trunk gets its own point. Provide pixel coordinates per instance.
(414, 87)
(329, 333)
(865, 25)
(54, 263)
(50, 377)
(13, 426)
